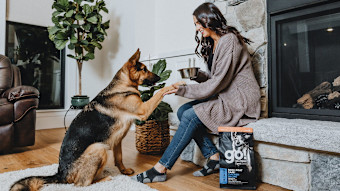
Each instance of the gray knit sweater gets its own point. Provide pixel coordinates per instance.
(231, 84)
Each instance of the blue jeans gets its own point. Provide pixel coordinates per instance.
(190, 127)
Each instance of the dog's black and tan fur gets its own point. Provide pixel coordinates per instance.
(101, 126)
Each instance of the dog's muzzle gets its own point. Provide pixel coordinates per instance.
(151, 81)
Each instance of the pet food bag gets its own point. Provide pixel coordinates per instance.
(237, 163)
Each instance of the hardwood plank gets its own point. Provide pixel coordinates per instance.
(46, 152)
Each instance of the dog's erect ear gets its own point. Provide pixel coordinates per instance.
(135, 57)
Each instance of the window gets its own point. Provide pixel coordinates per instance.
(40, 63)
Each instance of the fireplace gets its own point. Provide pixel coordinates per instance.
(304, 59)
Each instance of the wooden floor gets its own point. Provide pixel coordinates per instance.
(46, 151)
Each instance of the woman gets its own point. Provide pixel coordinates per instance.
(227, 96)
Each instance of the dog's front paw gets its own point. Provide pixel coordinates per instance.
(169, 88)
(127, 171)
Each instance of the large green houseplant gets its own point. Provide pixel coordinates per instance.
(79, 24)
(152, 135)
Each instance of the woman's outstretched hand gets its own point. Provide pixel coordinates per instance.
(176, 86)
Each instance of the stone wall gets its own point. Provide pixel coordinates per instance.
(249, 17)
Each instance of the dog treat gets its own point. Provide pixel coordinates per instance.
(237, 163)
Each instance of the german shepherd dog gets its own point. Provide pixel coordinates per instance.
(101, 126)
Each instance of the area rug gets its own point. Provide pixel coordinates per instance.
(119, 182)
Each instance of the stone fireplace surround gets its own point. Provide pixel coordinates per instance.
(296, 154)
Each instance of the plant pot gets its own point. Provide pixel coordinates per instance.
(79, 101)
(153, 137)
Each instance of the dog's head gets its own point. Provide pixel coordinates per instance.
(139, 73)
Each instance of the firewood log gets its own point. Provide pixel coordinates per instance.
(336, 81)
(333, 95)
(308, 100)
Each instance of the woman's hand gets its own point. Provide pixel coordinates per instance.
(176, 86)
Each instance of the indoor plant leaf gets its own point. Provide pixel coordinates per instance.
(105, 10)
(66, 23)
(61, 36)
(106, 24)
(87, 26)
(89, 48)
(164, 75)
(96, 44)
(79, 16)
(60, 5)
(55, 20)
(60, 44)
(159, 86)
(63, 2)
(84, 42)
(69, 13)
(90, 35)
(55, 13)
(159, 67)
(78, 50)
(53, 30)
(87, 9)
(71, 56)
(145, 97)
(71, 46)
(92, 19)
(89, 56)
(73, 39)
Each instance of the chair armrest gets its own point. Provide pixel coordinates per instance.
(20, 92)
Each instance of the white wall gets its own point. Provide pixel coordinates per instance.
(145, 27)
(35, 12)
(158, 27)
(175, 27)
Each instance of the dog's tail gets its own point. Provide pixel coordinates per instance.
(34, 183)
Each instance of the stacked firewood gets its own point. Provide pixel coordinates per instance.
(324, 96)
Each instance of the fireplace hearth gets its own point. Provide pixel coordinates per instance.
(303, 59)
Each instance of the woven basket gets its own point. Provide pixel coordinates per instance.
(153, 137)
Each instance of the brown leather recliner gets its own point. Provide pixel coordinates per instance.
(18, 106)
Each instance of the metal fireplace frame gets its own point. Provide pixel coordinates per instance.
(279, 10)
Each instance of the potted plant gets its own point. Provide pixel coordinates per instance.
(79, 24)
(152, 135)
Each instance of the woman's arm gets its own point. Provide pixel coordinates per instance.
(225, 67)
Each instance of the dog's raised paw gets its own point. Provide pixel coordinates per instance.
(127, 171)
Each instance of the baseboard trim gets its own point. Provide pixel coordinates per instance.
(54, 119)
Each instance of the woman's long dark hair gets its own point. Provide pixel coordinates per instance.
(209, 16)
